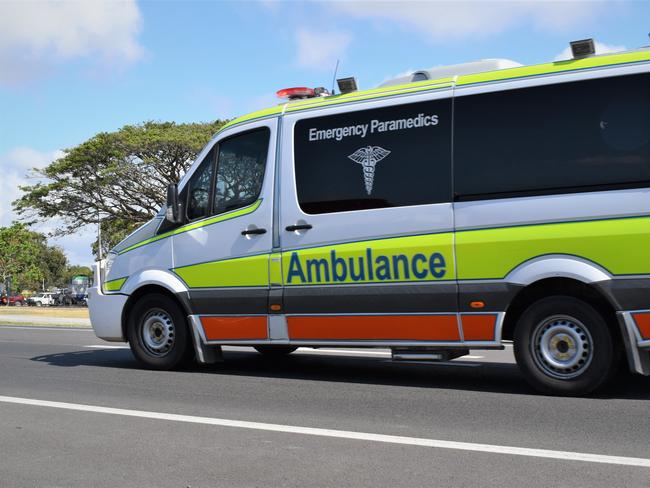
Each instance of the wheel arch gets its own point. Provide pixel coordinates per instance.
(154, 282)
(573, 287)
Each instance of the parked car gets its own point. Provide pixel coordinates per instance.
(41, 299)
(16, 300)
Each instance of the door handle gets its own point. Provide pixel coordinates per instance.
(248, 232)
(293, 228)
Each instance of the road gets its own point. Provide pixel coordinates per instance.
(78, 412)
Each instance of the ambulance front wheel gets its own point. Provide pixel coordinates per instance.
(564, 346)
(158, 333)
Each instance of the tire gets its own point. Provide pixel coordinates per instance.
(18, 303)
(157, 332)
(564, 346)
(38, 304)
(275, 351)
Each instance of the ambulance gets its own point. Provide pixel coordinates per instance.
(459, 208)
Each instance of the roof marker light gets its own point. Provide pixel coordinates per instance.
(582, 48)
(347, 85)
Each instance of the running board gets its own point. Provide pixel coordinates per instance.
(435, 355)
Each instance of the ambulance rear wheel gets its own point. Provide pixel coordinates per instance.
(158, 333)
(275, 350)
(563, 346)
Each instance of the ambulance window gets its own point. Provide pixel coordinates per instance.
(386, 157)
(240, 170)
(198, 195)
(568, 137)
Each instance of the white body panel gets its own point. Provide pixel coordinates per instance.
(224, 239)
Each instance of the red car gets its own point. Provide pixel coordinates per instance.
(17, 300)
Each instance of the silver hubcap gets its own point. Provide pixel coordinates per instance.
(562, 347)
(158, 333)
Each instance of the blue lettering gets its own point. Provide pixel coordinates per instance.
(383, 268)
(422, 272)
(336, 264)
(317, 265)
(295, 268)
(437, 265)
(400, 258)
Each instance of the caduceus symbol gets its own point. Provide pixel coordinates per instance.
(368, 157)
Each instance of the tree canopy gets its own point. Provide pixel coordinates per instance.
(116, 178)
(28, 260)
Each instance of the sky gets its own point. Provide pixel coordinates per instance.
(69, 70)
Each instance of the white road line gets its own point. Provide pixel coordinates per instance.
(341, 434)
(98, 346)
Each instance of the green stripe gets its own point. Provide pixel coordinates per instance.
(618, 245)
(237, 272)
(115, 285)
(201, 223)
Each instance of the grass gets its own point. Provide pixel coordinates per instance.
(41, 324)
(64, 312)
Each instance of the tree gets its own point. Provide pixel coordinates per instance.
(54, 265)
(20, 256)
(118, 178)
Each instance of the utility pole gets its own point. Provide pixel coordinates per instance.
(99, 237)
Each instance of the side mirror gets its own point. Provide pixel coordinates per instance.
(173, 212)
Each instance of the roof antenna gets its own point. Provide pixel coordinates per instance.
(336, 70)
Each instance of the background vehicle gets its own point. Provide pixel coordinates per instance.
(16, 300)
(41, 299)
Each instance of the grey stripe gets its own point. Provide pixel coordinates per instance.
(433, 297)
(229, 301)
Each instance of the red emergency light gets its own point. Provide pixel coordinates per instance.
(296, 92)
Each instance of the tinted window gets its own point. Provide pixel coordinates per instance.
(240, 170)
(387, 157)
(567, 137)
(198, 194)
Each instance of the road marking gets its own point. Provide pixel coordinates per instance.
(340, 434)
(98, 346)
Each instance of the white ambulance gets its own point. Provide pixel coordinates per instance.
(448, 211)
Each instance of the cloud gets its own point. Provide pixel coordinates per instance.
(446, 20)
(14, 168)
(601, 48)
(36, 36)
(320, 50)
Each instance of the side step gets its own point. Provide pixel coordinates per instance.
(423, 354)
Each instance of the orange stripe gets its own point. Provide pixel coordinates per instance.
(375, 327)
(643, 323)
(233, 328)
(478, 327)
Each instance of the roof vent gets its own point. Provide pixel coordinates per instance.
(439, 72)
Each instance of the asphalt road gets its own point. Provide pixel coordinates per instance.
(315, 418)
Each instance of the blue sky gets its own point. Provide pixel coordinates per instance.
(69, 70)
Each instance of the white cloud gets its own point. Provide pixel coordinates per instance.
(320, 50)
(38, 35)
(447, 20)
(15, 166)
(601, 48)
